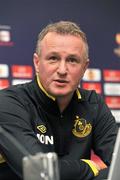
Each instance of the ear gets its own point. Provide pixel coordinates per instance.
(36, 62)
(86, 64)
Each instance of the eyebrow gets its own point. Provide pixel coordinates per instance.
(57, 53)
(54, 53)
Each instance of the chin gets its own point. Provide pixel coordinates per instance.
(60, 94)
(60, 91)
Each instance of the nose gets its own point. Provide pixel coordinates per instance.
(62, 67)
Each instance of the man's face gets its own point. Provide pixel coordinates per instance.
(60, 65)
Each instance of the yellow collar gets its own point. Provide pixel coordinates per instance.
(78, 94)
(42, 88)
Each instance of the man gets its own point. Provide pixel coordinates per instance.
(51, 114)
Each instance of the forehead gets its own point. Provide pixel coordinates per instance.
(52, 36)
(67, 41)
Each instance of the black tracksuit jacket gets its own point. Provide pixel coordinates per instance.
(34, 119)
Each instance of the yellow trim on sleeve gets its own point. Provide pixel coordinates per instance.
(94, 169)
(2, 160)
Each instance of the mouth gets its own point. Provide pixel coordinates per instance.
(61, 81)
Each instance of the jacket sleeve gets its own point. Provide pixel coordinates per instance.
(15, 119)
(75, 170)
(104, 131)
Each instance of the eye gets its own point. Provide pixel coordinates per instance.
(73, 60)
(53, 58)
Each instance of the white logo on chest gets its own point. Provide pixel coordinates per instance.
(45, 139)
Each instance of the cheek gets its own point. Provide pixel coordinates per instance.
(45, 73)
(77, 76)
(42, 69)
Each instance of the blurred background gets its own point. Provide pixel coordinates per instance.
(22, 20)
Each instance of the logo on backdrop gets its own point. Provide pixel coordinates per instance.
(5, 36)
(22, 71)
(117, 49)
(4, 71)
(92, 74)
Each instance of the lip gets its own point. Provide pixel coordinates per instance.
(61, 81)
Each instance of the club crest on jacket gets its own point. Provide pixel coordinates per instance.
(81, 127)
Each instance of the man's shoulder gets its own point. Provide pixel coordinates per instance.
(89, 95)
(18, 91)
(15, 88)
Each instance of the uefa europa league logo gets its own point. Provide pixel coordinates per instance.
(117, 50)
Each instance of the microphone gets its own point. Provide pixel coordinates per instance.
(41, 166)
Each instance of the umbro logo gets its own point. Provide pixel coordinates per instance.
(44, 139)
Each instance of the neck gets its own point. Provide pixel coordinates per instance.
(64, 101)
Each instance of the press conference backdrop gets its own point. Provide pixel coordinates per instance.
(21, 20)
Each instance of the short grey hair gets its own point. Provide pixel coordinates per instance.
(63, 28)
